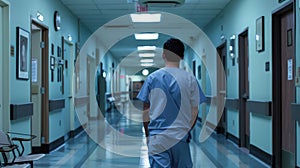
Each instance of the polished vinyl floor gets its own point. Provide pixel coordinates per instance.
(119, 142)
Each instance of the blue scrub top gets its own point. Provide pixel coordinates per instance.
(171, 92)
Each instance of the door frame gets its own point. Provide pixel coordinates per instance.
(44, 82)
(70, 65)
(276, 86)
(5, 104)
(242, 103)
(221, 126)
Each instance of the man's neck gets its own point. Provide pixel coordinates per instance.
(172, 64)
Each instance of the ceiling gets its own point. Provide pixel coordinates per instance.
(97, 13)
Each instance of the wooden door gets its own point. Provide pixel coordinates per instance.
(244, 90)
(287, 88)
(283, 89)
(1, 70)
(221, 86)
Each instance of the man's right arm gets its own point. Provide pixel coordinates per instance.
(146, 118)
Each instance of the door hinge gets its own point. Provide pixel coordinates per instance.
(42, 44)
(42, 90)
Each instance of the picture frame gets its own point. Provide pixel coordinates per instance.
(52, 62)
(194, 67)
(23, 40)
(58, 51)
(289, 37)
(199, 72)
(260, 34)
(52, 49)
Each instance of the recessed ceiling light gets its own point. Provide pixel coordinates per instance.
(146, 60)
(145, 17)
(146, 48)
(147, 64)
(147, 55)
(145, 72)
(146, 36)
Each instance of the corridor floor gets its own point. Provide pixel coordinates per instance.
(83, 151)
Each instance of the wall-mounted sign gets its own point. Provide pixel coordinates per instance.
(34, 70)
(290, 69)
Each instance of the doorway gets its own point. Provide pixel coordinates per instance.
(244, 115)
(39, 86)
(221, 89)
(67, 83)
(4, 66)
(92, 109)
(283, 87)
(1, 69)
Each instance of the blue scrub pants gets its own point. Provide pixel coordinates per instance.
(179, 156)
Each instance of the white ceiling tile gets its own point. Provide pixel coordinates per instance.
(96, 13)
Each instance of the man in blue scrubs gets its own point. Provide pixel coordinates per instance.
(171, 97)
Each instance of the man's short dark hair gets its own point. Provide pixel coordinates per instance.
(174, 50)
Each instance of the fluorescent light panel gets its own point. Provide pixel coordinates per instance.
(147, 55)
(146, 48)
(146, 60)
(147, 64)
(145, 17)
(146, 36)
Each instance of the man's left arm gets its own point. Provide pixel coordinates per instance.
(194, 116)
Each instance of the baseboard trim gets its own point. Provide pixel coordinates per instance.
(233, 138)
(260, 154)
(47, 148)
(75, 132)
(220, 130)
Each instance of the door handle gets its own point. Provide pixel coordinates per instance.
(245, 96)
(222, 92)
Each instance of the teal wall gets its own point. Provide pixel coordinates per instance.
(189, 56)
(21, 14)
(233, 122)
(238, 16)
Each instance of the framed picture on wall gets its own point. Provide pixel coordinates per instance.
(199, 71)
(260, 34)
(194, 68)
(22, 54)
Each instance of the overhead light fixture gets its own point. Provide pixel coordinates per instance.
(147, 64)
(146, 48)
(146, 60)
(146, 36)
(104, 74)
(145, 72)
(232, 46)
(147, 55)
(40, 16)
(145, 17)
